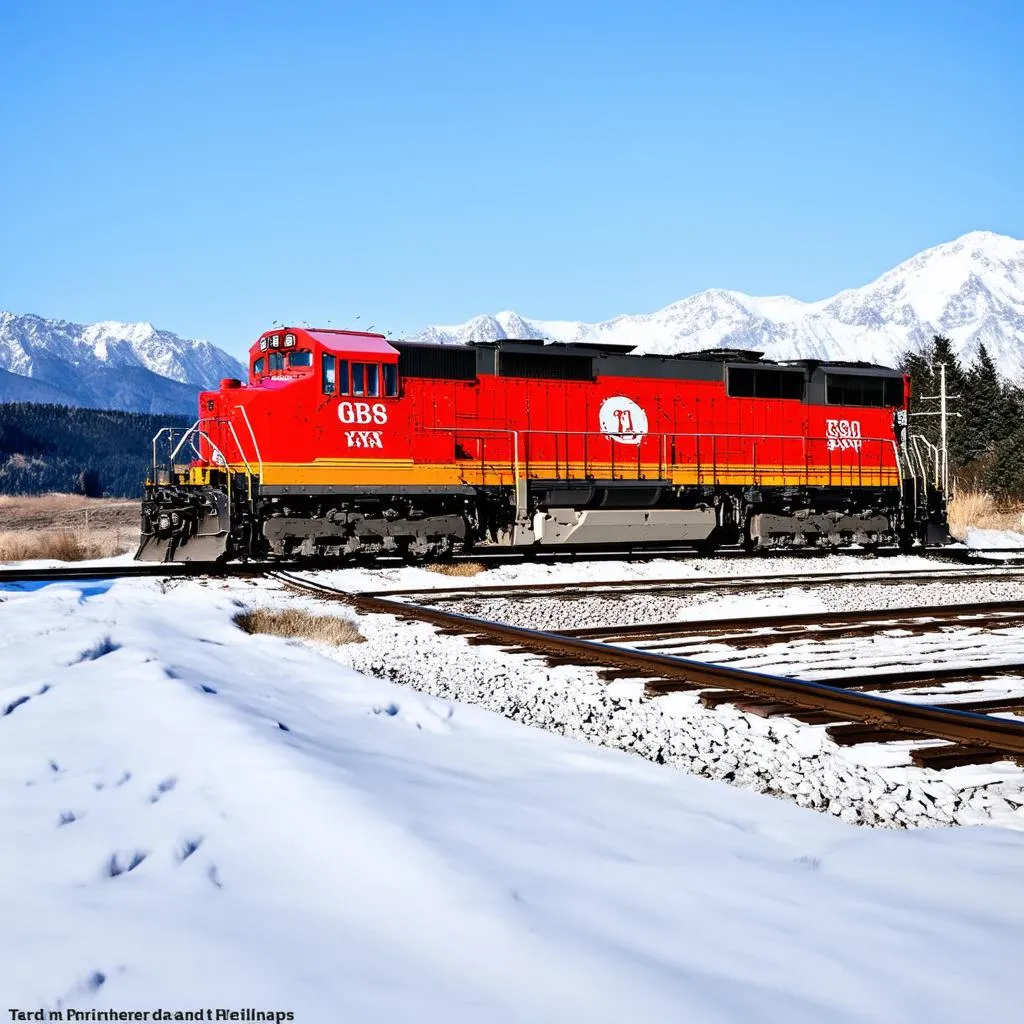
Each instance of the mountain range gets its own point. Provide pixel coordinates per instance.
(108, 365)
(971, 289)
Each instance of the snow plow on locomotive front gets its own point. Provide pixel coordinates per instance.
(343, 444)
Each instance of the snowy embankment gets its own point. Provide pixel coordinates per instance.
(869, 784)
(994, 540)
(196, 817)
(777, 756)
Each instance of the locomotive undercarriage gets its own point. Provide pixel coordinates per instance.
(206, 523)
(429, 526)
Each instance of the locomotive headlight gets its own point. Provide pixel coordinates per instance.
(263, 344)
(164, 522)
(175, 519)
(289, 341)
(275, 341)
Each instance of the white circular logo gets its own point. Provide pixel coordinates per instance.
(623, 420)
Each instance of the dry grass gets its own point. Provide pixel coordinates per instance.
(66, 512)
(66, 527)
(457, 568)
(979, 508)
(296, 624)
(64, 545)
(55, 502)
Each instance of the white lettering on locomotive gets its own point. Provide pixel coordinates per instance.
(362, 412)
(622, 420)
(843, 435)
(364, 438)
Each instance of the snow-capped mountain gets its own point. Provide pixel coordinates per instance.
(106, 365)
(971, 290)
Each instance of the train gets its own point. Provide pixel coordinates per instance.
(344, 444)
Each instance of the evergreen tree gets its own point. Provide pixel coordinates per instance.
(1005, 474)
(88, 484)
(984, 407)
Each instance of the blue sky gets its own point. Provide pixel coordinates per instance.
(212, 168)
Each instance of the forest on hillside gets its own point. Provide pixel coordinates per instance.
(985, 418)
(86, 451)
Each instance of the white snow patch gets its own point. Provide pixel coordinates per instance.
(197, 817)
(979, 539)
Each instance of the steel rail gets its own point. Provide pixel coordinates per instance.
(690, 584)
(135, 570)
(687, 584)
(957, 614)
(964, 728)
(920, 678)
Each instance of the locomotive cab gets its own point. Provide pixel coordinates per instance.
(320, 409)
(279, 356)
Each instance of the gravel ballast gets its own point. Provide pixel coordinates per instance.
(778, 756)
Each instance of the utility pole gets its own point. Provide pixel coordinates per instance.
(942, 461)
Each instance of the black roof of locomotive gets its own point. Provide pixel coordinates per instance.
(616, 359)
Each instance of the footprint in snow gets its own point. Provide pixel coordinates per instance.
(100, 649)
(187, 848)
(91, 983)
(164, 787)
(121, 864)
(16, 703)
(810, 863)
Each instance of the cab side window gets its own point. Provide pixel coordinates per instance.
(343, 388)
(328, 374)
(358, 378)
(372, 388)
(257, 367)
(390, 380)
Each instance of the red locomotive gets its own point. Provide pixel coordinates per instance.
(342, 443)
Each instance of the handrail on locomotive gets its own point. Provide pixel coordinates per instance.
(520, 456)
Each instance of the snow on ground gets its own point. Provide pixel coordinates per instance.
(409, 577)
(872, 784)
(994, 540)
(196, 817)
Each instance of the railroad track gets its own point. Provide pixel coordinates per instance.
(135, 570)
(953, 735)
(185, 569)
(761, 631)
(690, 585)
